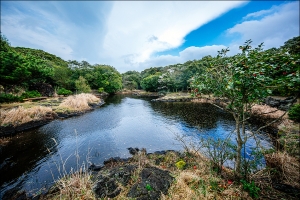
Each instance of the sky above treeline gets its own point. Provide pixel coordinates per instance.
(135, 35)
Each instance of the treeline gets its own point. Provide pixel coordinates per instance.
(280, 62)
(25, 70)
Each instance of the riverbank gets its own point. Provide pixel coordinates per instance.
(261, 176)
(18, 117)
(167, 175)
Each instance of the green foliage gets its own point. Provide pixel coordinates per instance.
(180, 164)
(100, 90)
(150, 83)
(7, 98)
(82, 85)
(30, 94)
(21, 69)
(148, 187)
(294, 113)
(131, 80)
(293, 45)
(63, 91)
(251, 188)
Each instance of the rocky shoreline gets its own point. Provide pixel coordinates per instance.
(115, 172)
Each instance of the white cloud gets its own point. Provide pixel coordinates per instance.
(136, 30)
(190, 53)
(281, 24)
(70, 30)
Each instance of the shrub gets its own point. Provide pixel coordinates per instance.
(63, 91)
(100, 90)
(82, 85)
(180, 164)
(251, 188)
(8, 98)
(30, 94)
(294, 113)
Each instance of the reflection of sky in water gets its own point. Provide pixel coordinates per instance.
(108, 132)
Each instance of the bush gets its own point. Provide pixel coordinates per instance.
(6, 98)
(294, 113)
(251, 188)
(100, 90)
(63, 91)
(180, 164)
(30, 94)
(82, 85)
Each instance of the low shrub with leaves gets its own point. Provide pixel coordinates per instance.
(180, 164)
(7, 98)
(63, 91)
(294, 113)
(251, 188)
(100, 90)
(30, 94)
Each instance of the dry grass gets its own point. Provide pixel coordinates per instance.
(75, 186)
(268, 111)
(79, 102)
(289, 167)
(21, 115)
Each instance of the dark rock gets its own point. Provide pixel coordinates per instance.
(123, 174)
(154, 181)
(287, 189)
(94, 167)
(44, 89)
(115, 160)
(133, 151)
(106, 187)
(284, 107)
(107, 182)
(280, 104)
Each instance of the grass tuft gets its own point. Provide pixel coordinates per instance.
(79, 102)
(21, 115)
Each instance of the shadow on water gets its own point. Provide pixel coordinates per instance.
(34, 159)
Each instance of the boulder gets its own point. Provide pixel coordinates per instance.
(153, 182)
(44, 89)
(106, 184)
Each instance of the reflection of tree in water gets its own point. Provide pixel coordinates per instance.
(113, 99)
(204, 116)
(21, 155)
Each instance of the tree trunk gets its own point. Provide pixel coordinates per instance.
(239, 144)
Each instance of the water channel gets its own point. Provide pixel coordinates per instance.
(34, 159)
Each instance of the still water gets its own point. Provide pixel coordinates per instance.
(34, 159)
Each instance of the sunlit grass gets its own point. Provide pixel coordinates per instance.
(79, 102)
(21, 115)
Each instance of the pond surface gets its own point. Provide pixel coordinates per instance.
(33, 160)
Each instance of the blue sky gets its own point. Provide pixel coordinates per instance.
(134, 35)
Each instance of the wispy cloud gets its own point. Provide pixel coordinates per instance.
(71, 30)
(279, 24)
(190, 53)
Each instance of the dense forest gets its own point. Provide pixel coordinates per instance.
(25, 71)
